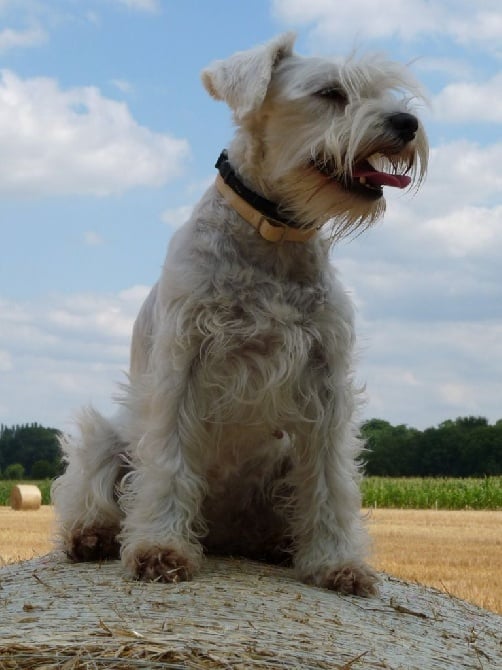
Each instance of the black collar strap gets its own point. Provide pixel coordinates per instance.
(264, 206)
(259, 212)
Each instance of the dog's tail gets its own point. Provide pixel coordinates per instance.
(86, 494)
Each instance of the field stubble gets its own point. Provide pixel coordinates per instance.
(456, 552)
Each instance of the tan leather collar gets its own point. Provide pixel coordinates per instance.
(270, 232)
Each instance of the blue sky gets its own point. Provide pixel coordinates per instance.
(107, 139)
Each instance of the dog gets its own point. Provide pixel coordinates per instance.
(237, 430)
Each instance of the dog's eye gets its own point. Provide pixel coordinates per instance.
(334, 93)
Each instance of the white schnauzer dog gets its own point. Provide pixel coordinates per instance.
(237, 432)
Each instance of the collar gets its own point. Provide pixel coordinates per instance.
(259, 212)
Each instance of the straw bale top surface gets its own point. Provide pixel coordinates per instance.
(236, 615)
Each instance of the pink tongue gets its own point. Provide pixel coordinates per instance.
(375, 178)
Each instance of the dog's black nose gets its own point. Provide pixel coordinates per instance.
(404, 125)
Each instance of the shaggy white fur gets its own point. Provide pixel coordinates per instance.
(238, 426)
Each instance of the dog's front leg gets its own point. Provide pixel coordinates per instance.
(161, 501)
(331, 541)
(162, 497)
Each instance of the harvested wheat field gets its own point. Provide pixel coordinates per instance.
(25, 534)
(458, 553)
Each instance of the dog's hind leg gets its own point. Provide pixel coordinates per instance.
(85, 496)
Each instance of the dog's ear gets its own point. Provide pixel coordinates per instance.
(243, 79)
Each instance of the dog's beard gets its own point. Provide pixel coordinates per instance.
(311, 199)
(342, 180)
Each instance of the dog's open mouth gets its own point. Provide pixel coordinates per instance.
(365, 178)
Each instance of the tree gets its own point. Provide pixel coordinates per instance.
(28, 444)
(391, 449)
(464, 447)
(14, 471)
(43, 470)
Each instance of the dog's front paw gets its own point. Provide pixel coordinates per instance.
(93, 544)
(358, 580)
(163, 565)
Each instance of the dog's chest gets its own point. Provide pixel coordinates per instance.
(257, 314)
(259, 339)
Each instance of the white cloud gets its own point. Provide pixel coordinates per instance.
(77, 141)
(423, 374)
(477, 22)
(107, 316)
(141, 5)
(123, 85)
(466, 232)
(456, 216)
(470, 101)
(454, 394)
(62, 352)
(93, 18)
(461, 174)
(464, 21)
(427, 264)
(176, 216)
(5, 361)
(453, 67)
(93, 239)
(31, 37)
(363, 18)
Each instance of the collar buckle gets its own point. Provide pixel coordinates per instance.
(261, 213)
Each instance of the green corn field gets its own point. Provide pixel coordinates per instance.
(433, 493)
(403, 493)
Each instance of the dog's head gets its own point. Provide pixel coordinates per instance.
(319, 137)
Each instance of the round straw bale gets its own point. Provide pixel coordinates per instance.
(25, 497)
(234, 614)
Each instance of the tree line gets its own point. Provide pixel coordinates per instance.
(464, 447)
(29, 451)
